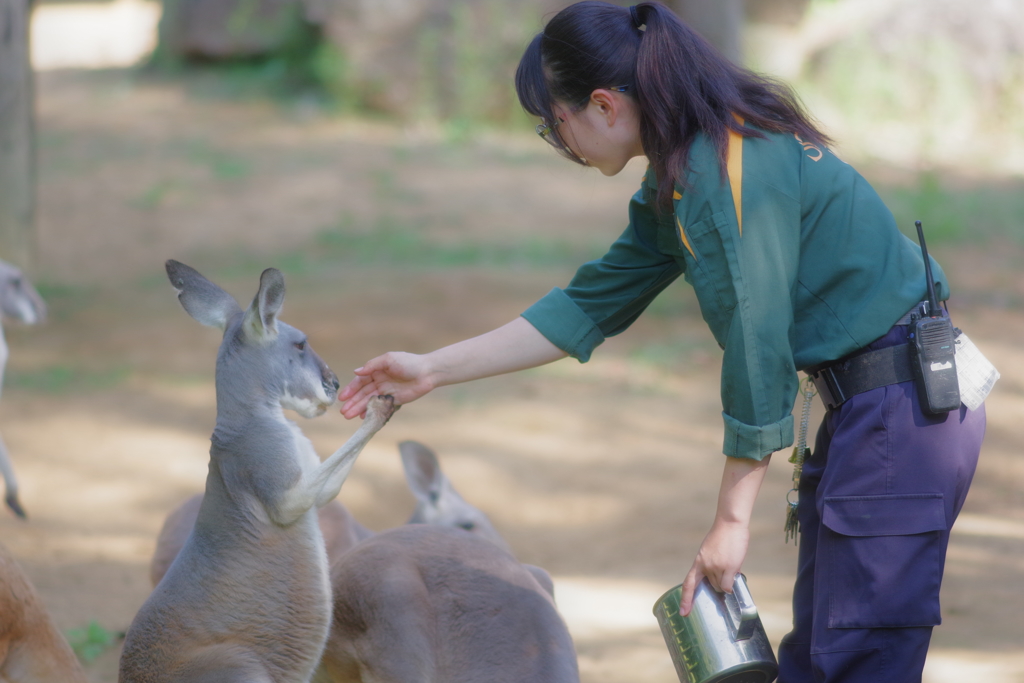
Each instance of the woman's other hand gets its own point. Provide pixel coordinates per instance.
(719, 558)
(724, 548)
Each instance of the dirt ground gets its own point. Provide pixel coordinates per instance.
(605, 474)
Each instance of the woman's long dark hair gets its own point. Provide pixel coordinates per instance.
(681, 83)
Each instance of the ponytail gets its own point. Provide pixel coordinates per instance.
(681, 84)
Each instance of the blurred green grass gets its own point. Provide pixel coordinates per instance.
(395, 242)
(62, 378)
(958, 211)
(91, 640)
(954, 211)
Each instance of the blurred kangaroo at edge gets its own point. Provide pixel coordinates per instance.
(439, 599)
(32, 649)
(18, 300)
(247, 600)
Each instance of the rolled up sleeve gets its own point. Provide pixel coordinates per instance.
(565, 324)
(749, 441)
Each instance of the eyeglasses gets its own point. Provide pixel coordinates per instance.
(547, 132)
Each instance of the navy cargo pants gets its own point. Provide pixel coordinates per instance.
(878, 497)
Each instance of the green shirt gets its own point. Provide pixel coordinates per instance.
(793, 257)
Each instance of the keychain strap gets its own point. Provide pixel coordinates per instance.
(800, 453)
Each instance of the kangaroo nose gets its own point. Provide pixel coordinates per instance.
(336, 383)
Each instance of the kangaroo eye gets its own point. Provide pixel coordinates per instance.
(301, 346)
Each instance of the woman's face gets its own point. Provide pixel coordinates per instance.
(606, 133)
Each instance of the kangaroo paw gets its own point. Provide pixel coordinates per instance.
(379, 410)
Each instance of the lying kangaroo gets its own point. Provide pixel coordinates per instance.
(429, 603)
(18, 300)
(247, 600)
(440, 599)
(32, 649)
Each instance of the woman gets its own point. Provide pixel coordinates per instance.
(796, 264)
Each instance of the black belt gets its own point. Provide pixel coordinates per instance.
(838, 382)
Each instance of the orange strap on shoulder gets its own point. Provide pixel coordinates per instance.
(734, 168)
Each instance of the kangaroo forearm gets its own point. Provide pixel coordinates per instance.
(328, 486)
(317, 489)
(322, 485)
(517, 345)
(326, 480)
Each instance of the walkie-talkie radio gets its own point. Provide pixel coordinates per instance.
(933, 349)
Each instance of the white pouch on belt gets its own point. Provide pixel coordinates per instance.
(974, 373)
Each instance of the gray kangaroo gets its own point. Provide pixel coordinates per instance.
(439, 600)
(18, 300)
(247, 600)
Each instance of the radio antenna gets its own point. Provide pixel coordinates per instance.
(933, 302)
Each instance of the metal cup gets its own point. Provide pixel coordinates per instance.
(721, 640)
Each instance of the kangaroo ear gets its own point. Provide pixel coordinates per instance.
(18, 297)
(201, 299)
(261, 317)
(422, 472)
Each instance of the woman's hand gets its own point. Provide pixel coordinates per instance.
(405, 376)
(724, 548)
(719, 558)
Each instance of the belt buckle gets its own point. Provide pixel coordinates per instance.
(828, 388)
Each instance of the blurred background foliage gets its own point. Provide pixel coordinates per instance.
(924, 76)
(909, 81)
(446, 61)
(933, 87)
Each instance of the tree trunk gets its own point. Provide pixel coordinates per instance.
(719, 21)
(17, 163)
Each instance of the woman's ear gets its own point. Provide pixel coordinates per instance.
(606, 104)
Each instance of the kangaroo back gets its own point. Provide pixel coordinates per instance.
(442, 600)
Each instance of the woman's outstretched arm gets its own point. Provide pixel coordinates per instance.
(407, 376)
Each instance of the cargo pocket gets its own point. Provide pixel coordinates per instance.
(884, 559)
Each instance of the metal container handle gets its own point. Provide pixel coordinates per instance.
(745, 618)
